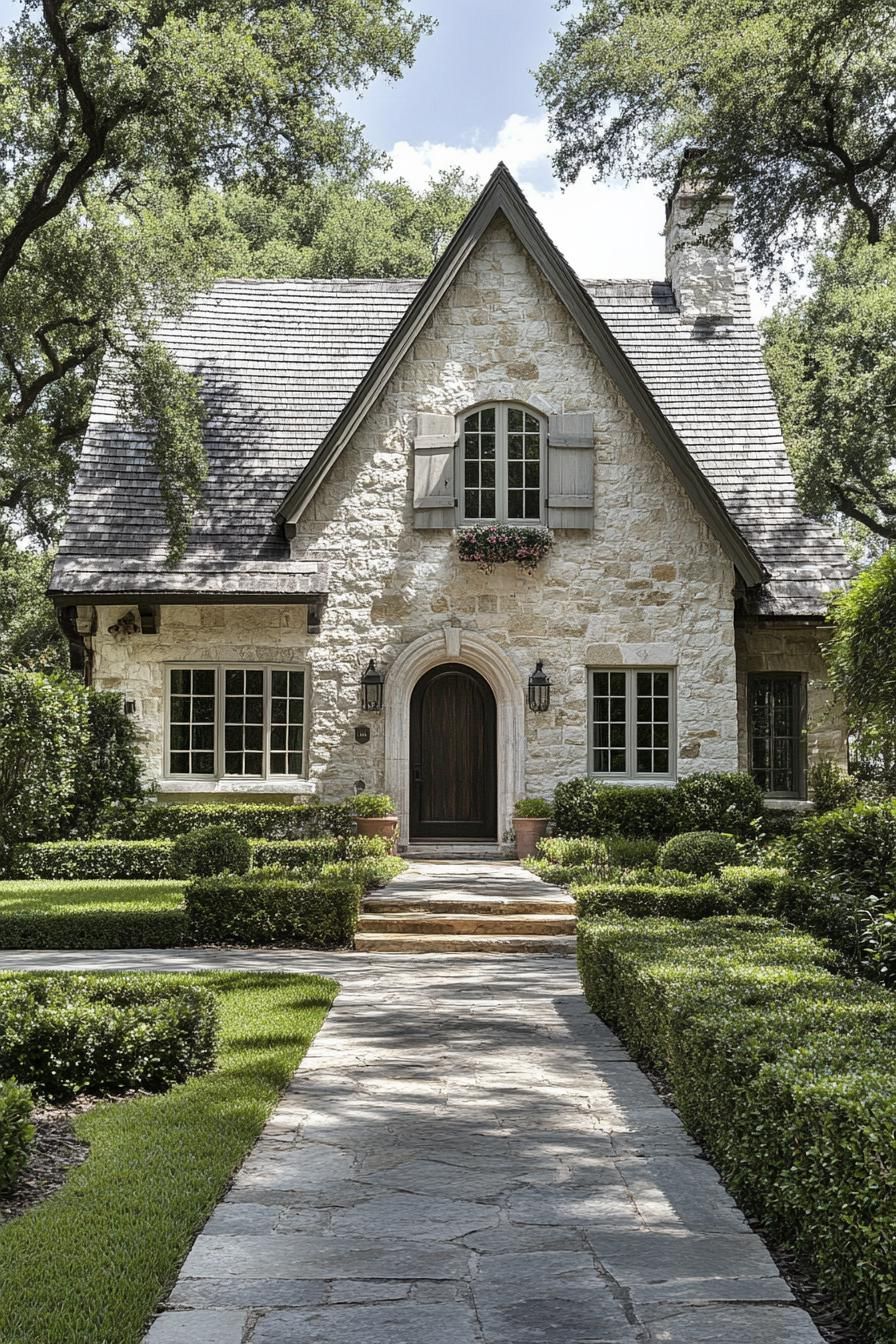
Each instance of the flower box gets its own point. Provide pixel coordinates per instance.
(490, 544)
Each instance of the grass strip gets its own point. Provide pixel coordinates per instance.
(91, 914)
(91, 1263)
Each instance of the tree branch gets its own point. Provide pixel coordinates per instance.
(852, 510)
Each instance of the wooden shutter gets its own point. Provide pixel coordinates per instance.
(571, 470)
(435, 504)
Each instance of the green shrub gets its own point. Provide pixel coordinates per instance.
(589, 807)
(307, 854)
(107, 785)
(533, 807)
(831, 787)
(66, 1034)
(209, 850)
(574, 851)
(372, 805)
(257, 821)
(755, 890)
(699, 852)
(368, 872)
(728, 802)
(786, 1073)
(62, 860)
(268, 906)
(16, 1131)
(694, 901)
(856, 846)
(626, 852)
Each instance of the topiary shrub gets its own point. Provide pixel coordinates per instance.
(699, 852)
(71, 860)
(66, 1034)
(257, 821)
(728, 802)
(210, 850)
(589, 807)
(626, 853)
(755, 890)
(271, 906)
(697, 900)
(16, 1131)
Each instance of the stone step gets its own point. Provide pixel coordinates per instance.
(467, 905)
(451, 853)
(525, 925)
(416, 943)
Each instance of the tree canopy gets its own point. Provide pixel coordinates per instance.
(792, 102)
(861, 658)
(113, 115)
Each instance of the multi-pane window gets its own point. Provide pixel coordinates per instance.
(632, 715)
(239, 722)
(775, 727)
(502, 448)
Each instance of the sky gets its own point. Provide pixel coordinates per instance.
(470, 100)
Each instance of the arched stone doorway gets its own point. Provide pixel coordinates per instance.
(472, 650)
(453, 756)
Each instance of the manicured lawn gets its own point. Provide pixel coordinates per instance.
(92, 1262)
(93, 913)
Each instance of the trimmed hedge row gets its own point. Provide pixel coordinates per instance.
(267, 907)
(699, 852)
(66, 1034)
(257, 821)
(16, 1131)
(86, 928)
(697, 900)
(784, 1070)
(307, 854)
(703, 802)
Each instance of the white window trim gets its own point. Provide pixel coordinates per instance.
(219, 776)
(631, 776)
(501, 408)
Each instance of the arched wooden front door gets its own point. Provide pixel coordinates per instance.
(454, 786)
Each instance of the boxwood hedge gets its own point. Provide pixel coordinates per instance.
(66, 1034)
(694, 901)
(16, 1130)
(784, 1070)
(257, 821)
(268, 906)
(716, 802)
(69, 860)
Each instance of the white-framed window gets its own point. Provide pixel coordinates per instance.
(501, 468)
(632, 722)
(235, 721)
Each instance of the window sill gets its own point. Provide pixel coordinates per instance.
(659, 782)
(237, 786)
(777, 804)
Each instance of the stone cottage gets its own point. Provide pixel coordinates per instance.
(353, 428)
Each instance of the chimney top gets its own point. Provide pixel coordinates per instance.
(699, 266)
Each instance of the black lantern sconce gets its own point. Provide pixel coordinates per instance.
(372, 689)
(539, 689)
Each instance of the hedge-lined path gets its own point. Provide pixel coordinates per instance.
(466, 1156)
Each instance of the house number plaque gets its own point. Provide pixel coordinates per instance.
(362, 733)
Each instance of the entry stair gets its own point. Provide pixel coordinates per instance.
(481, 906)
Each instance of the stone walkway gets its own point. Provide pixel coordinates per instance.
(466, 1156)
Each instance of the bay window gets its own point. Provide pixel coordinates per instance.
(236, 722)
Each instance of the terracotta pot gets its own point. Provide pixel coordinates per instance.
(386, 828)
(528, 832)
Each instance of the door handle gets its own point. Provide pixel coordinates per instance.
(418, 774)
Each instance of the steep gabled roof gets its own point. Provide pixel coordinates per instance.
(502, 196)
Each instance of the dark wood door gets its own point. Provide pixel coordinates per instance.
(454, 783)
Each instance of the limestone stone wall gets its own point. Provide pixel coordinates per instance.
(649, 585)
(703, 275)
(773, 647)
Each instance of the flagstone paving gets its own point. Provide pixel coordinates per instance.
(467, 1156)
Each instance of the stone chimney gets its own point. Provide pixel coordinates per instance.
(702, 274)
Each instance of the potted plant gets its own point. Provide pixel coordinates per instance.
(375, 815)
(530, 822)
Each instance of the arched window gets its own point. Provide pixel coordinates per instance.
(502, 465)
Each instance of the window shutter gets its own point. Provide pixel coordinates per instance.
(571, 470)
(435, 504)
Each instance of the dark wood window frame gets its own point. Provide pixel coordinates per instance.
(797, 735)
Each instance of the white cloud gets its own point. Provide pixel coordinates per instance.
(603, 231)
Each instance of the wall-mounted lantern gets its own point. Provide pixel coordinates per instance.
(372, 689)
(539, 689)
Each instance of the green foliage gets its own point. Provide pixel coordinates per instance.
(755, 890)
(696, 900)
(91, 914)
(791, 105)
(16, 1131)
(43, 726)
(209, 850)
(268, 906)
(785, 1072)
(831, 787)
(30, 635)
(111, 124)
(308, 854)
(533, 807)
(262, 821)
(92, 1262)
(860, 657)
(853, 846)
(76, 859)
(831, 357)
(699, 852)
(726, 801)
(574, 851)
(66, 1034)
(372, 805)
(107, 790)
